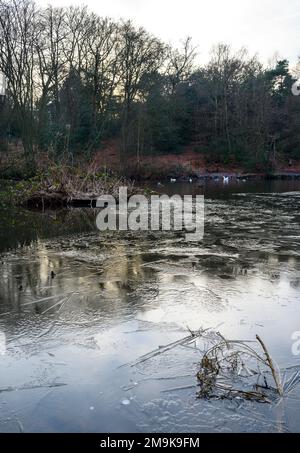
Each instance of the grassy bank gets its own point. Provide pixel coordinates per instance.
(61, 186)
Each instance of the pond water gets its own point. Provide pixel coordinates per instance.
(79, 307)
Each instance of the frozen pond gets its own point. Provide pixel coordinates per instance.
(77, 304)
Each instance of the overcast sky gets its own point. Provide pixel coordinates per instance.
(265, 27)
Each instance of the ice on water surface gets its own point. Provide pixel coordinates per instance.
(77, 310)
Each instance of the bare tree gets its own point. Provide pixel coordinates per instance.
(180, 63)
(140, 54)
(102, 70)
(224, 71)
(51, 61)
(18, 34)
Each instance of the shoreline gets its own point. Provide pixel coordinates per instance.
(41, 200)
(215, 176)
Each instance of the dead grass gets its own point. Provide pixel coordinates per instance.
(233, 369)
(61, 185)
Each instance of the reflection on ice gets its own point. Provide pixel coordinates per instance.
(2, 343)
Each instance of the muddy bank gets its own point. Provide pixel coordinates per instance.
(189, 163)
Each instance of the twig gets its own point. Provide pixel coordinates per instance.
(176, 389)
(168, 347)
(31, 387)
(276, 375)
(55, 305)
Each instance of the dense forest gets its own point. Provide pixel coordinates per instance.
(75, 80)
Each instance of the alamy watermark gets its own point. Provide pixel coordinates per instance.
(155, 213)
(296, 88)
(296, 344)
(296, 84)
(2, 84)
